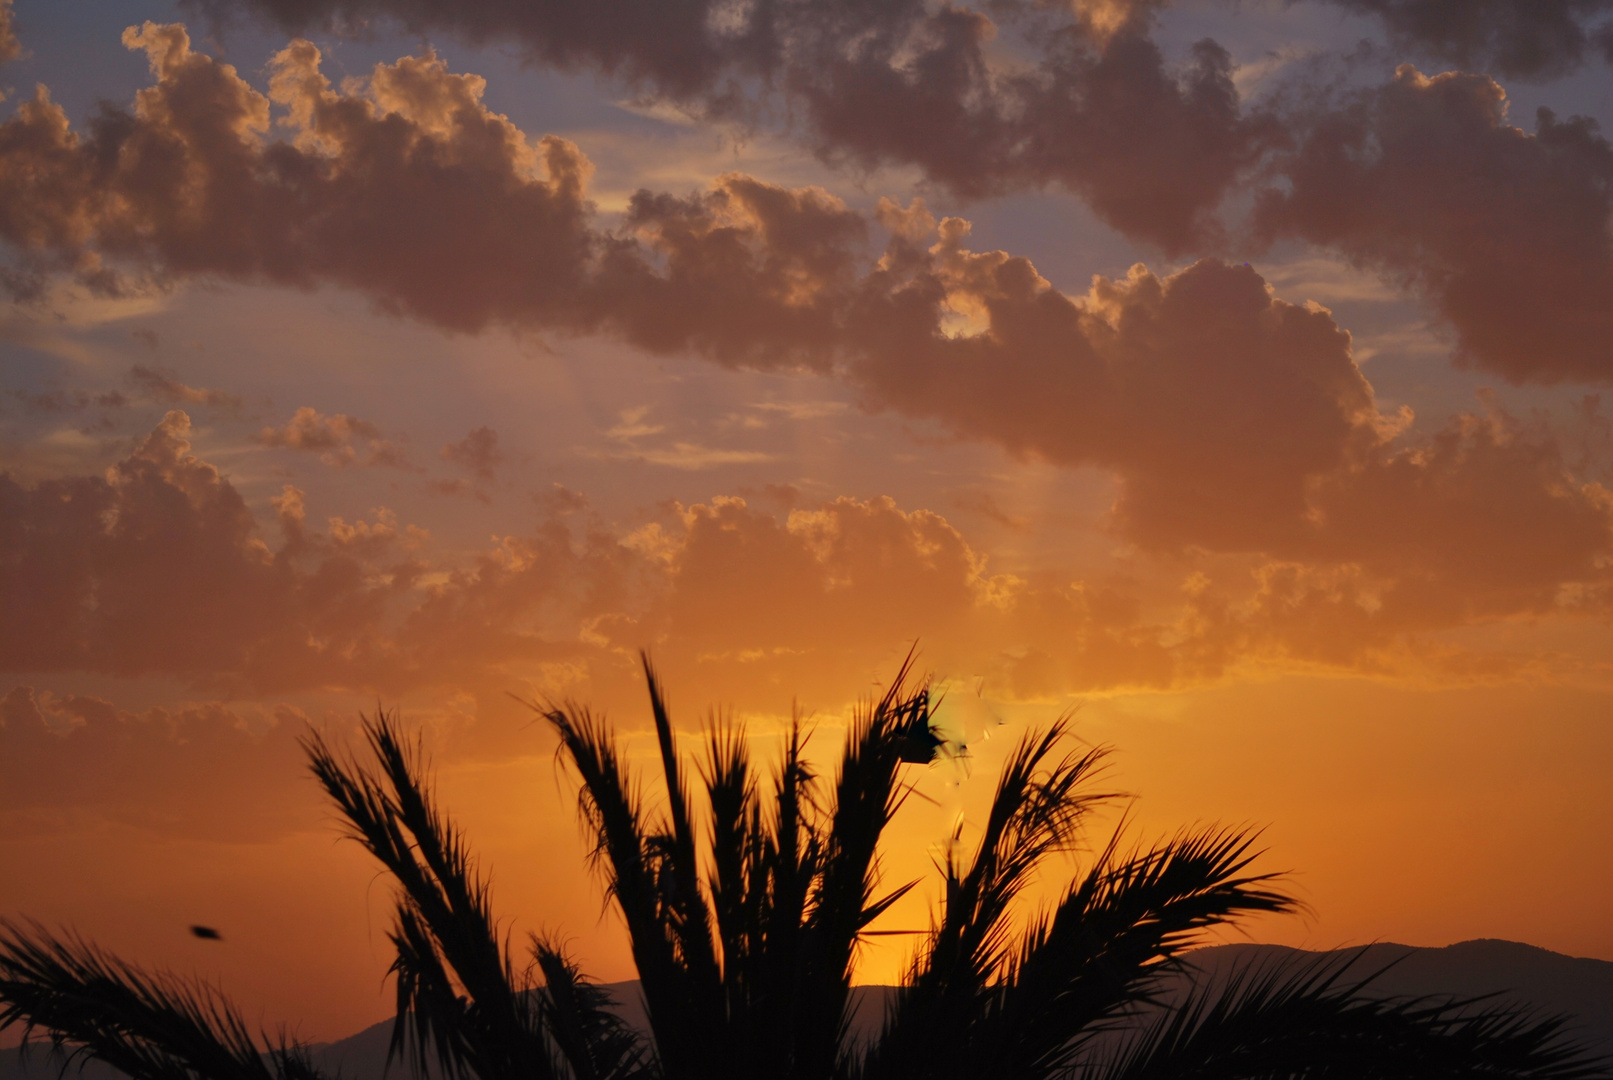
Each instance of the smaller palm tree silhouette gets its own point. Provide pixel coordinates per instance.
(745, 940)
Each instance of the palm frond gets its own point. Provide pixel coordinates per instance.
(459, 908)
(1032, 815)
(431, 1018)
(150, 1026)
(593, 1041)
(786, 862)
(1117, 930)
(686, 901)
(1311, 1021)
(1036, 811)
(866, 798)
(626, 850)
(736, 855)
(446, 937)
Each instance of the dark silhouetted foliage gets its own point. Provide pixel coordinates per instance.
(745, 918)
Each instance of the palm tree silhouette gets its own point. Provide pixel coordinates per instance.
(745, 940)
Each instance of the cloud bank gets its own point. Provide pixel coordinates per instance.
(1226, 412)
(159, 568)
(1528, 39)
(383, 185)
(1085, 101)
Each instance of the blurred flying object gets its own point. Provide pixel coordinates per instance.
(207, 933)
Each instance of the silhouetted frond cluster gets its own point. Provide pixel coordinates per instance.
(149, 1025)
(461, 1004)
(745, 914)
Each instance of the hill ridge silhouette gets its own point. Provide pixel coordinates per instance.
(1550, 982)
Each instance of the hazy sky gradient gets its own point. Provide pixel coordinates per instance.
(1229, 373)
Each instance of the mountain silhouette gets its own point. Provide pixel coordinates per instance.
(1547, 981)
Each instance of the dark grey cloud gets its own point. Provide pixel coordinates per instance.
(1085, 102)
(1505, 232)
(1520, 39)
(478, 453)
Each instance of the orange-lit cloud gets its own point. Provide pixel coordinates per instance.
(332, 438)
(1216, 402)
(1237, 423)
(10, 47)
(160, 568)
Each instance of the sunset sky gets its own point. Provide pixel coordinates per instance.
(1227, 372)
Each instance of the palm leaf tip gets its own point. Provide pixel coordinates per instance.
(1318, 1019)
(148, 1025)
(592, 1039)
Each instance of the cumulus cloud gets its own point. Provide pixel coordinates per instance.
(1424, 179)
(830, 593)
(189, 182)
(332, 438)
(1093, 106)
(1238, 423)
(823, 593)
(706, 52)
(1506, 232)
(1430, 535)
(119, 572)
(687, 48)
(1083, 98)
(746, 272)
(1219, 405)
(1151, 147)
(1230, 416)
(159, 568)
(1214, 401)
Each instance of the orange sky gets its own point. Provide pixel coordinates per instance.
(1193, 367)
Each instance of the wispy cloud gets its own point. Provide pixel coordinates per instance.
(632, 426)
(693, 456)
(803, 410)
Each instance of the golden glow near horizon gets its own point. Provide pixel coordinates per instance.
(1266, 444)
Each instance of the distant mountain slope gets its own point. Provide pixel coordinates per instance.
(1549, 982)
